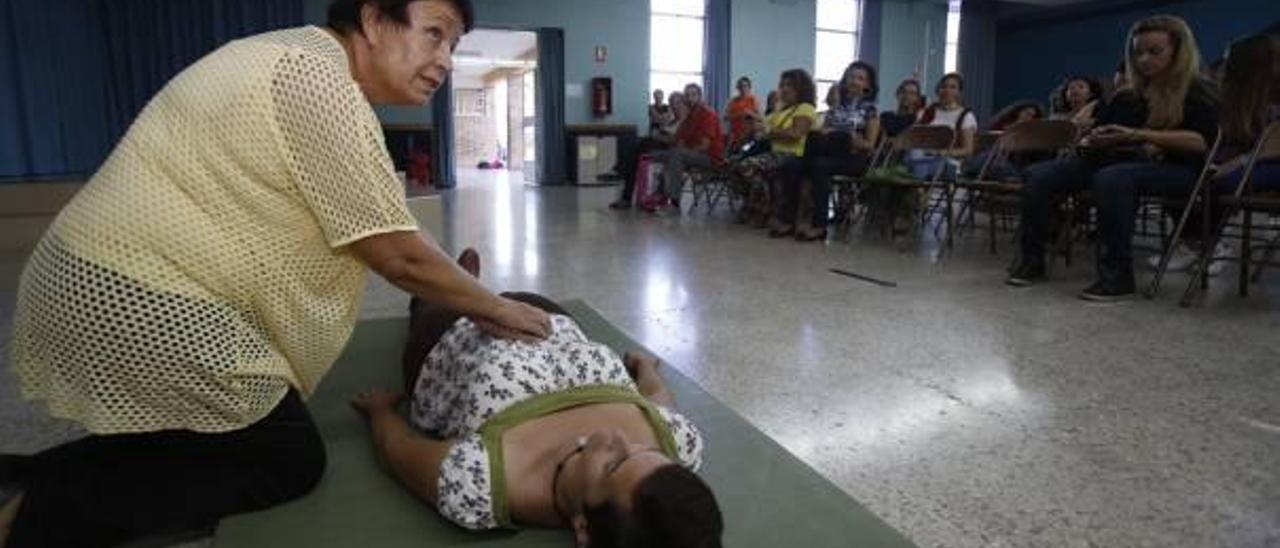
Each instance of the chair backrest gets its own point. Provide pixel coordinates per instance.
(1030, 136)
(931, 138)
(987, 140)
(1268, 146)
(1039, 135)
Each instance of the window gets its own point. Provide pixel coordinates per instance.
(953, 37)
(675, 43)
(836, 43)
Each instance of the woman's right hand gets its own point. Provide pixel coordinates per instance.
(517, 320)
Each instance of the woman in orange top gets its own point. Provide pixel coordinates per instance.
(741, 112)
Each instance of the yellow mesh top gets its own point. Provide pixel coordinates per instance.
(201, 272)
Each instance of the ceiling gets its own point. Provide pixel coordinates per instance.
(483, 51)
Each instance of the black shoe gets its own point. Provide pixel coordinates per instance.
(1109, 291)
(620, 204)
(1027, 273)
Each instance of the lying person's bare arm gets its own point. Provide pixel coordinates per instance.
(644, 370)
(414, 459)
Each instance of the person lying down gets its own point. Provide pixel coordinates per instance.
(560, 433)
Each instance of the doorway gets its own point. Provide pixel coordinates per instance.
(495, 102)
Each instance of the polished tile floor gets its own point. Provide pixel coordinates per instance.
(962, 412)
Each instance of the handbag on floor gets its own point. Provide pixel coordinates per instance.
(648, 191)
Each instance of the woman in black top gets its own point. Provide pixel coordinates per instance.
(910, 102)
(1162, 156)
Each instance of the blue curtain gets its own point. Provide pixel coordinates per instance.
(869, 40)
(716, 61)
(443, 172)
(550, 82)
(75, 73)
(977, 56)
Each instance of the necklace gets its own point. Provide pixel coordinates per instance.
(555, 478)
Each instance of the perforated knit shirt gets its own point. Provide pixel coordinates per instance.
(202, 271)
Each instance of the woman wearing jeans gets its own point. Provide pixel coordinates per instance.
(1165, 156)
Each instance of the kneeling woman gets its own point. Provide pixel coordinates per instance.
(556, 433)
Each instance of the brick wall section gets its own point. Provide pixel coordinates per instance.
(475, 136)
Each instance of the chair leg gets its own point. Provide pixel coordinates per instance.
(1170, 243)
(1267, 258)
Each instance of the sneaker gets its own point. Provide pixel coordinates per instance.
(620, 204)
(1103, 291)
(1183, 258)
(1027, 273)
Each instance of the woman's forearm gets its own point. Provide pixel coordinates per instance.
(412, 263)
(1175, 140)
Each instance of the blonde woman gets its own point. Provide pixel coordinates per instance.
(1162, 157)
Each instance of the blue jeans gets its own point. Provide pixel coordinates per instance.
(1266, 178)
(1115, 190)
(923, 165)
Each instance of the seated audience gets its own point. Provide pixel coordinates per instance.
(699, 142)
(771, 103)
(1022, 111)
(584, 439)
(663, 121)
(786, 128)
(1079, 98)
(949, 111)
(843, 147)
(910, 102)
(1250, 102)
(741, 114)
(1118, 163)
(1005, 168)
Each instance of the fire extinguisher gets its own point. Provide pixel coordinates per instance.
(602, 96)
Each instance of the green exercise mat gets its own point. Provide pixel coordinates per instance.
(769, 497)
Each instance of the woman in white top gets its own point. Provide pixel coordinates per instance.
(949, 111)
(203, 282)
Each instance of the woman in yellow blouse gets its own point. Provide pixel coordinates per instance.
(203, 282)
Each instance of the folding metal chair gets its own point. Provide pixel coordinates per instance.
(1246, 202)
(935, 139)
(1199, 197)
(1054, 136)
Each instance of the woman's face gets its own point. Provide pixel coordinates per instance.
(1078, 94)
(1153, 53)
(857, 84)
(949, 91)
(605, 467)
(408, 63)
(909, 97)
(678, 106)
(657, 97)
(744, 88)
(786, 92)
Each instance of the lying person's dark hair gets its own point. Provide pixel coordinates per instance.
(672, 508)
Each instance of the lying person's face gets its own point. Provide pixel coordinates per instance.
(606, 468)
